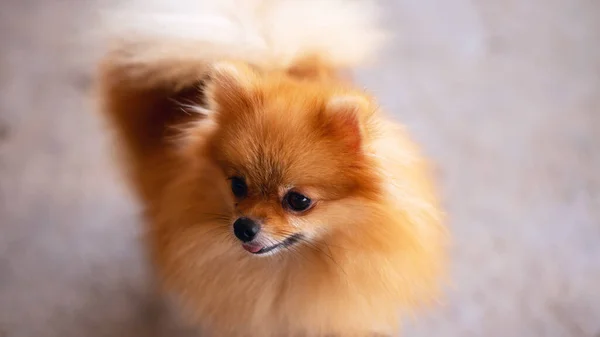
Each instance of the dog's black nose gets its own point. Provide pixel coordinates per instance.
(245, 229)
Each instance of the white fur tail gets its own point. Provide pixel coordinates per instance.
(267, 33)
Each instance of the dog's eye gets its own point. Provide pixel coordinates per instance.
(297, 202)
(239, 187)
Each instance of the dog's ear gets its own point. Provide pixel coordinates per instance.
(230, 88)
(342, 119)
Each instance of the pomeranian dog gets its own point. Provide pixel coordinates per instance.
(279, 199)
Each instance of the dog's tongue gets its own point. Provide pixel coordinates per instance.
(252, 247)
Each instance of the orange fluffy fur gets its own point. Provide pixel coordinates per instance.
(374, 241)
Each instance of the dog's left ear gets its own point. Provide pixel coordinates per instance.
(343, 119)
(230, 87)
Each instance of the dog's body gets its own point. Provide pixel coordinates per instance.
(235, 114)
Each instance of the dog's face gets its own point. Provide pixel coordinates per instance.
(292, 153)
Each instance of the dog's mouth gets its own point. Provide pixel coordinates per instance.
(258, 248)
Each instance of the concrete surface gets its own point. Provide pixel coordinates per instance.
(504, 95)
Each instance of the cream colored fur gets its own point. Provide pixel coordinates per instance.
(184, 35)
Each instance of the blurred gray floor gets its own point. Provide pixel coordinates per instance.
(504, 95)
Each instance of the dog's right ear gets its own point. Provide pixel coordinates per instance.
(230, 88)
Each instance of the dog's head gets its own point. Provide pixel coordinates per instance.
(293, 153)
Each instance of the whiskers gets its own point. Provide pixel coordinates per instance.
(216, 227)
(321, 249)
(216, 216)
